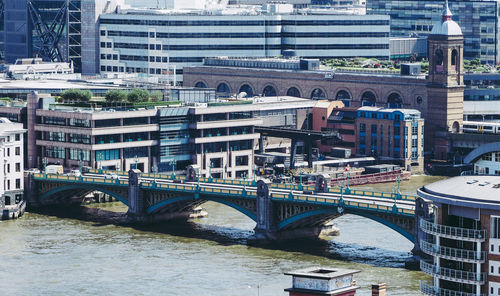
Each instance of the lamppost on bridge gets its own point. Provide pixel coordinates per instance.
(210, 171)
(44, 161)
(172, 164)
(136, 161)
(99, 158)
(155, 170)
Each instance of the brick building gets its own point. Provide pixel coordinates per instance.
(438, 95)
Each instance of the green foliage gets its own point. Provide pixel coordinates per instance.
(156, 96)
(138, 95)
(76, 95)
(5, 99)
(116, 95)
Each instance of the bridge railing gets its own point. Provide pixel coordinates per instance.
(337, 202)
(81, 179)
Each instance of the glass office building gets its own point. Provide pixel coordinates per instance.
(477, 19)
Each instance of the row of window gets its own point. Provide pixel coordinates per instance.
(244, 23)
(7, 184)
(101, 155)
(16, 149)
(17, 168)
(243, 35)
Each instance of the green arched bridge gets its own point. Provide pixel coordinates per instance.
(279, 210)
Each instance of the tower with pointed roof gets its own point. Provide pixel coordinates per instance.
(445, 83)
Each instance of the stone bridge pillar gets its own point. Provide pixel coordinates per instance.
(266, 225)
(136, 209)
(422, 212)
(31, 191)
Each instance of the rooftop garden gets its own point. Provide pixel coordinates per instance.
(394, 66)
(136, 98)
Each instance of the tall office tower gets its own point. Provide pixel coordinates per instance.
(55, 30)
(478, 19)
(445, 82)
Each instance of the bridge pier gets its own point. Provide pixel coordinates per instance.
(136, 210)
(267, 218)
(31, 192)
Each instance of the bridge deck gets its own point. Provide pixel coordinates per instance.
(353, 199)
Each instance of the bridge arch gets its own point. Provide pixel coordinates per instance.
(89, 189)
(481, 150)
(165, 203)
(332, 213)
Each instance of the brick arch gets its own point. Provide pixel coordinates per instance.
(218, 82)
(385, 98)
(249, 84)
(309, 95)
(346, 89)
(289, 86)
(202, 81)
(368, 89)
(271, 85)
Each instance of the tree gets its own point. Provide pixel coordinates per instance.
(115, 95)
(156, 96)
(76, 95)
(138, 95)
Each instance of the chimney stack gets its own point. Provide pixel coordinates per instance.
(378, 290)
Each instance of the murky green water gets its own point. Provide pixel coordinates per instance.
(54, 255)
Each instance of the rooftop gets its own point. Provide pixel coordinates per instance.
(467, 191)
(322, 272)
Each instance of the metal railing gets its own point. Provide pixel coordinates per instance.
(452, 274)
(453, 232)
(456, 254)
(434, 291)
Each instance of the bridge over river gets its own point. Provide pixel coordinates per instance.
(281, 211)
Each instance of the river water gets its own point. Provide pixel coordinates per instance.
(58, 254)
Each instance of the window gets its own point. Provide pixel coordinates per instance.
(362, 127)
(78, 154)
(495, 227)
(110, 154)
(486, 156)
(55, 152)
(18, 167)
(373, 128)
(18, 183)
(18, 137)
(18, 150)
(8, 151)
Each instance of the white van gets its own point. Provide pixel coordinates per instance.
(75, 173)
(54, 169)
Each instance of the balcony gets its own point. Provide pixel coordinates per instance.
(454, 275)
(434, 291)
(457, 233)
(469, 256)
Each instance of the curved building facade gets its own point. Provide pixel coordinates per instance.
(463, 238)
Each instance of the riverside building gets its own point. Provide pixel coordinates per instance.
(438, 95)
(155, 42)
(463, 239)
(11, 173)
(218, 136)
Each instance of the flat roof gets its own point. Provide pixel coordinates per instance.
(322, 272)
(467, 191)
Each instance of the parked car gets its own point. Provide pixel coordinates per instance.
(75, 173)
(54, 169)
(111, 176)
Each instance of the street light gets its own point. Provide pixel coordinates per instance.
(44, 160)
(136, 161)
(172, 164)
(155, 170)
(210, 170)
